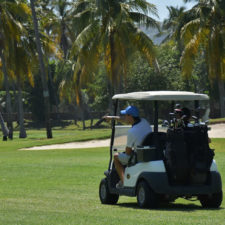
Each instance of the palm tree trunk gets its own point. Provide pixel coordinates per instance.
(23, 133)
(8, 97)
(82, 114)
(54, 91)
(5, 130)
(110, 91)
(113, 82)
(221, 98)
(43, 73)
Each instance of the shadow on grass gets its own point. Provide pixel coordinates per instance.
(170, 207)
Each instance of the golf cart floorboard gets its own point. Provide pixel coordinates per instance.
(124, 191)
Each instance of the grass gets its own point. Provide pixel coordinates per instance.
(217, 120)
(71, 133)
(60, 187)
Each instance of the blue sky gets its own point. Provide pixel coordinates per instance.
(161, 6)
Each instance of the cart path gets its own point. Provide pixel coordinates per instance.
(217, 131)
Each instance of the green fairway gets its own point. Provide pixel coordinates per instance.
(61, 187)
(60, 135)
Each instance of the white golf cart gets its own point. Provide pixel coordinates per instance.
(175, 163)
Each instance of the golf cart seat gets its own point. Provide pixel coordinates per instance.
(152, 147)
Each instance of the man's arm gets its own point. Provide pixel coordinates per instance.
(117, 118)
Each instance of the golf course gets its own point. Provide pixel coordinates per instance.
(112, 112)
(61, 186)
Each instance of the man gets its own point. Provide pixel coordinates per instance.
(183, 117)
(136, 134)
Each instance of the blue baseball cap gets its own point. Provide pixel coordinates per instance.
(130, 110)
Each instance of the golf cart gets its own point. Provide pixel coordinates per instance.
(173, 163)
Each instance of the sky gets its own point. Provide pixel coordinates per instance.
(161, 6)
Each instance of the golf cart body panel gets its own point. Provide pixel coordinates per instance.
(148, 172)
(133, 173)
(156, 168)
(159, 182)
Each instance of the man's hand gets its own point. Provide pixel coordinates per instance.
(108, 118)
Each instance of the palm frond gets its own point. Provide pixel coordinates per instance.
(143, 44)
(189, 30)
(189, 55)
(86, 36)
(145, 20)
(144, 6)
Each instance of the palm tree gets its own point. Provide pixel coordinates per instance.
(4, 128)
(22, 62)
(206, 32)
(171, 25)
(58, 24)
(18, 53)
(10, 30)
(107, 30)
(42, 70)
(8, 97)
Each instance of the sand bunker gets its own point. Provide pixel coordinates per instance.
(217, 131)
(85, 144)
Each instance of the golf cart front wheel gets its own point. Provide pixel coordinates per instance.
(146, 197)
(211, 201)
(105, 196)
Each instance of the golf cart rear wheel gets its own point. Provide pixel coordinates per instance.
(146, 197)
(105, 196)
(211, 201)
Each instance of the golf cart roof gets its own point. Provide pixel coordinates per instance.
(162, 96)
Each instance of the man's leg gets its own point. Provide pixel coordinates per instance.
(119, 167)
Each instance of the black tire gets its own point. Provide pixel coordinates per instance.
(105, 196)
(146, 197)
(211, 201)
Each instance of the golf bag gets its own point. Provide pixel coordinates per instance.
(188, 156)
(176, 156)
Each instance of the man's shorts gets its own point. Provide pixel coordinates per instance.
(123, 158)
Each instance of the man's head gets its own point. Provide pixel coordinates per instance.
(178, 113)
(131, 114)
(131, 111)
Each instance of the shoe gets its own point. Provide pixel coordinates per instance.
(119, 185)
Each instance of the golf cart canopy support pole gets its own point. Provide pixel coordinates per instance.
(113, 132)
(156, 116)
(197, 113)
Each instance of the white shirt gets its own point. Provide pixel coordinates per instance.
(137, 133)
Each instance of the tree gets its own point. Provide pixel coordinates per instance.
(171, 25)
(22, 61)
(206, 33)
(43, 72)
(58, 24)
(11, 29)
(4, 128)
(8, 97)
(108, 32)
